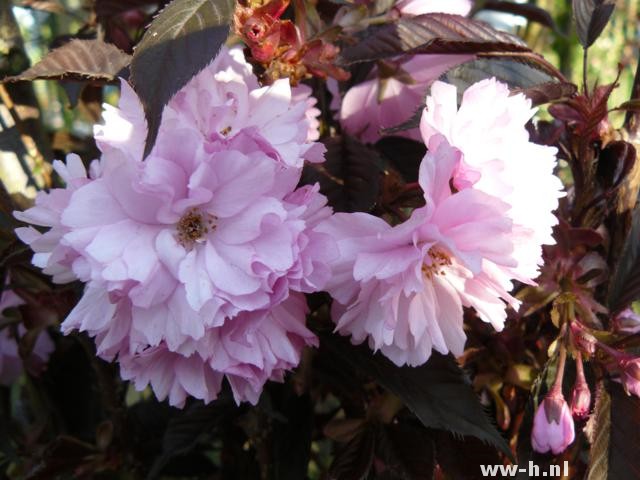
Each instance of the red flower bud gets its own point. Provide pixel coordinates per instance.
(580, 400)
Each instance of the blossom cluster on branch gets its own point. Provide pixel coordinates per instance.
(278, 175)
(196, 257)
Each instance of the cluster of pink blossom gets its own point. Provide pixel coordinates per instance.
(396, 87)
(11, 365)
(195, 259)
(403, 287)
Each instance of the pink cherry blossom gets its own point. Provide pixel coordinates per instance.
(248, 351)
(214, 225)
(52, 254)
(190, 253)
(391, 95)
(386, 101)
(403, 287)
(500, 160)
(180, 245)
(224, 104)
(420, 7)
(553, 428)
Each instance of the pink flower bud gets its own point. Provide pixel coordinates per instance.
(552, 425)
(630, 375)
(580, 399)
(627, 321)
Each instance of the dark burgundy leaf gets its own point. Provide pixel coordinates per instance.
(78, 60)
(180, 42)
(430, 33)
(591, 18)
(625, 284)
(62, 456)
(409, 124)
(354, 460)
(460, 458)
(624, 461)
(548, 92)
(186, 429)
(515, 74)
(403, 154)
(588, 114)
(531, 12)
(614, 164)
(291, 439)
(350, 176)
(438, 392)
(407, 451)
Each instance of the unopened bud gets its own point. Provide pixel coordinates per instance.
(583, 339)
(627, 321)
(553, 427)
(630, 375)
(580, 400)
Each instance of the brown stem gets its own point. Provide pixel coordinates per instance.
(585, 85)
(562, 360)
(579, 367)
(632, 118)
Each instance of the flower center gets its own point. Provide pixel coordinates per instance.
(438, 261)
(193, 226)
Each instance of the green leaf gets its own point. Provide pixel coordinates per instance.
(438, 393)
(591, 18)
(78, 60)
(625, 284)
(181, 41)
